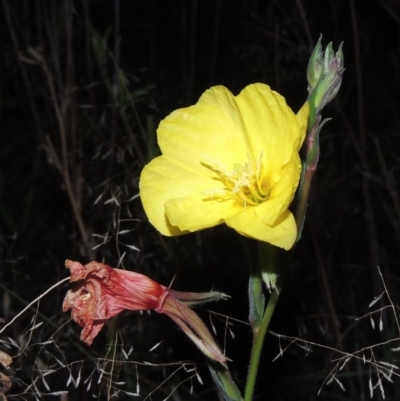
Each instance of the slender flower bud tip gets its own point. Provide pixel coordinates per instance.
(314, 68)
(103, 292)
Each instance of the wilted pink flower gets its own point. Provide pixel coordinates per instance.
(102, 292)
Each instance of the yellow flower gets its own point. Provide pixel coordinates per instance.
(227, 159)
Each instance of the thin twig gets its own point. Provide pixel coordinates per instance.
(34, 301)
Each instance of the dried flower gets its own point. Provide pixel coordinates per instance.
(102, 292)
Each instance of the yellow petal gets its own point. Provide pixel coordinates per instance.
(161, 180)
(281, 234)
(198, 211)
(302, 119)
(154, 192)
(281, 194)
(178, 200)
(202, 132)
(271, 127)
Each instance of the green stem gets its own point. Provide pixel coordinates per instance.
(258, 340)
(301, 209)
(309, 166)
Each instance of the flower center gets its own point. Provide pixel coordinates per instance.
(245, 182)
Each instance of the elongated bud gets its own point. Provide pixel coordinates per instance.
(315, 66)
(324, 74)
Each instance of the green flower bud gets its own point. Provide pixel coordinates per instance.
(324, 74)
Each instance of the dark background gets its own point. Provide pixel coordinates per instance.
(83, 86)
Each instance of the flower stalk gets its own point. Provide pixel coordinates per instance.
(258, 341)
(235, 160)
(324, 74)
(265, 272)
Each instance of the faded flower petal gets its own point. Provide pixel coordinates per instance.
(102, 292)
(227, 159)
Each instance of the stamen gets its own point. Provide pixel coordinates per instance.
(244, 183)
(86, 297)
